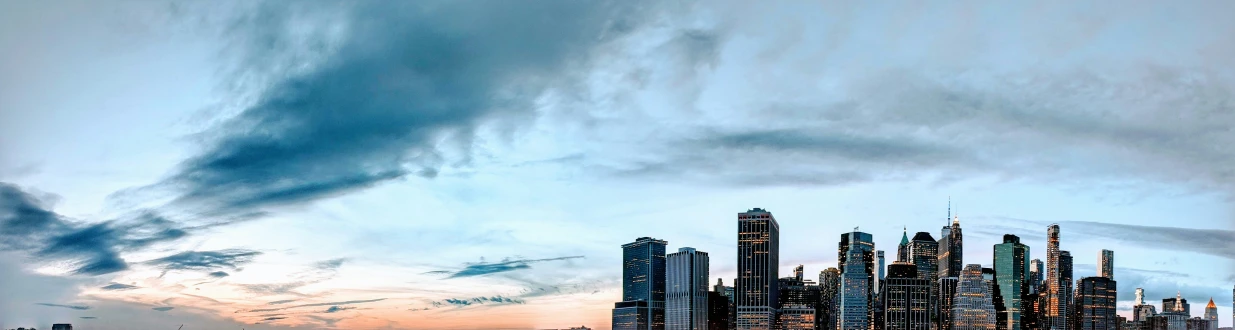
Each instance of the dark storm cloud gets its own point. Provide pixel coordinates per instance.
(27, 224)
(205, 260)
(413, 84)
(506, 265)
(118, 286)
(163, 309)
(77, 307)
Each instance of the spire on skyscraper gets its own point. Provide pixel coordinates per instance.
(1211, 303)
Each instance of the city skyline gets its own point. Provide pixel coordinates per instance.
(438, 165)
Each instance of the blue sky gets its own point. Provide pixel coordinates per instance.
(398, 164)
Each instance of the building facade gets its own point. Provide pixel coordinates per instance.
(951, 248)
(1106, 264)
(973, 309)
(1011, 272)
(829, 294)
(946, 287)
(1056, 308)
(643, 286)
(758, 260)
(906, 299)
(799, 300)
(923, 252)
(718, 310)
(686, 280)
(854, 299)
(1035, 275)
(1211, 314)
(1094, 306)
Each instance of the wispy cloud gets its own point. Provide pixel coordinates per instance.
(335, 309)
(1214, 242)
(87, 317)
(163, 309)
(77, 307)
(506, 265)
(205, 260)
(219, 274)
(349, 302)
(279, 302)
(494, 300)
(119, 286)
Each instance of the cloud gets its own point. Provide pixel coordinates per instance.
(118, 286)
(483, 268)
(279, 302)
(87, 317)
(335, 309)
(349, 302)
(27, 224)
(273, 318)
(494, 300)
(411, 89)
(205, 260)
(163, 309)
(1214, 242)
(77, 307)
(219, 274)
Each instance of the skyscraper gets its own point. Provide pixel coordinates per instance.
(1177, 305)
(866, 244)
(686, 279)
(902, 250)
(973, 309)
(1011, 271)
(758, 257)
(1001, 314)
(829, 292)
(946, 287)
(1106, 264)
(1056, 308)
(906, 299)
(1140, 310)
(1035, 275)
(854, 307)
(950, 247)
(643, 286)
(923, 251)
(879, 261)
(1094, 306)
(1211, 314)
(1065, 279)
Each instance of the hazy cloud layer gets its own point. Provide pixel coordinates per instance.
(316, 304)
(205, 260)
(1215, 242)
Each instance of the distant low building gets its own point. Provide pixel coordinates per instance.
(62, 326)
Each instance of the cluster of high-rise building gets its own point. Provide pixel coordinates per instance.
(927, 287)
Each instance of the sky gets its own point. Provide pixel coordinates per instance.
(477, 165)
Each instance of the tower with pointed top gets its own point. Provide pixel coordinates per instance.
(902, 251)
(1211, 314)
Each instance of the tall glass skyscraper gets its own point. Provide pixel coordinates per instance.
(1106, 264)
(829, 287)
(973, 308)
(854, 306)
(686, 302)
(1035, 275)
(1065, 279)
(1011, 270)
(758, 259)
(643, 286)
(906, 299)
(1094, 306)
(865, 244)
(951, 246)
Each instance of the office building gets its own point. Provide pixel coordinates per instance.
(1211, 314)
(1033, 312)
(718, 310)
(829, 288)
(1094, 304)
(1176, 305)
(906, 299)
(1106, 264)
(1056, 309)
(1011, 272)
(643, 286)
(902, 250)
(973, 308)
(879, 269)
(951, 245)
(946, 287)
(62, 326)
(686, 281)
(1197, 323)
(923, 251)
(799, 300)
(758, 274)
(854, 302)
(865, 243)
(1035, 275)
(1001, 321)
